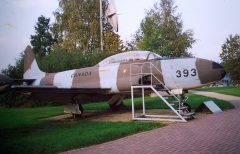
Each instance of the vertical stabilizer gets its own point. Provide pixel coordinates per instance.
(111, 13)
(31, 69)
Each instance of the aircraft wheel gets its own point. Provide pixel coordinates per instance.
(81, 110)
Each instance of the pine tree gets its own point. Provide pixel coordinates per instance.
(43, 39)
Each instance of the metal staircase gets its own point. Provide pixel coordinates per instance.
(150, 82)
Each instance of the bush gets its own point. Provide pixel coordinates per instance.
(63, 60)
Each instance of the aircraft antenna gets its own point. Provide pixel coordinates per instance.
(101, 28)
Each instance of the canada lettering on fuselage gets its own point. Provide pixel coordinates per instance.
(81, 74)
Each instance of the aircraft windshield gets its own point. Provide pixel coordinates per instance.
(130, 56)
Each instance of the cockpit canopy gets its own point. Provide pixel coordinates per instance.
(131, 56)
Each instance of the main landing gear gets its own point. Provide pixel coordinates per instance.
(74, 108)
(116, 102)
(79, 113)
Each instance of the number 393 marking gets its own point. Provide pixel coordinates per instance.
(186, 73)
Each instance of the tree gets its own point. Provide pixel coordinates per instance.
(230, 57)
(15, 71)
(77, 27)
(162, 31)
(43, 39)
(112, 42)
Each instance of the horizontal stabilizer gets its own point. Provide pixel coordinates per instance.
(24, 81)
(5, 82)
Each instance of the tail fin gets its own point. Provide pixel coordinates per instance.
(31, 69)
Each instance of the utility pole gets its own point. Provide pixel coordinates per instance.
(101, 27)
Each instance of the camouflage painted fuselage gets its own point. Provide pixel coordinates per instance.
(116, 75)
(183, 73)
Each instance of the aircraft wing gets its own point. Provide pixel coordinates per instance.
(46, 89)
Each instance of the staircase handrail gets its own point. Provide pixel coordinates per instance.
(152, 75)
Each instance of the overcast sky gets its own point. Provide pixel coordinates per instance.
(211, 21)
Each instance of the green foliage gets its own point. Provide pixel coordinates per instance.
(57, 61)
(15, 71)
(9, 98)
(78, 27)
(62, 60)
(161, 31)
(43, 40)
(230, 57)
(73, 41)
(223, 90)
(24, 131)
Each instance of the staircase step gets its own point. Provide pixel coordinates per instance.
(159, 85)
(163, 90)
(189, 114)
(182, 108)
(176, 101)
(159, 89)
(188, 117)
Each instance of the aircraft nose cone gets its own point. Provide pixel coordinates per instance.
(209, 71)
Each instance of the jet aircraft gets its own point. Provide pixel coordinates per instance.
(112, 78)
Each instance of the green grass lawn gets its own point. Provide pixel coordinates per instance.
(24, 130)
(223, 90)
(155, 103)
(195, 100)
(21, 117)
